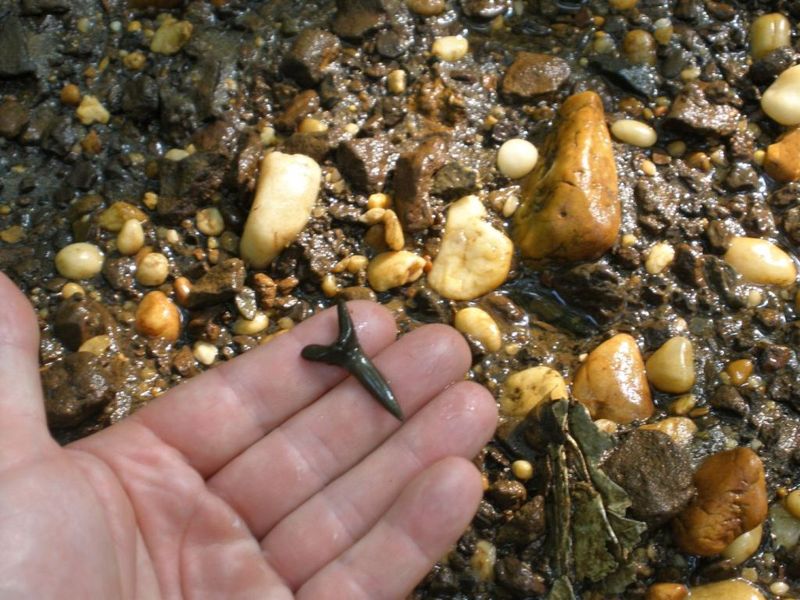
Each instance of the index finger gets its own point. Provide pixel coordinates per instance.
(214, 417)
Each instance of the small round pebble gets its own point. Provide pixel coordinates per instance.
(153, 269)
(781, 100)
(516, 158)
(522, 469)
(634, 132)
(79, 261)
(205, 353)
(450, 48)
(210, 221)
(792, 503)
(130, 238)
(760, 261)
(671, 367)
(481, 326)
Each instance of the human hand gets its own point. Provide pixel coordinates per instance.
(268, 477)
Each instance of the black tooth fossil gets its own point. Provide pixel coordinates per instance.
(346, 352)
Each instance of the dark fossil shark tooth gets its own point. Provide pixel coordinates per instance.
(346, 352)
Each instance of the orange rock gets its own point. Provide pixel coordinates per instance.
(570, 207)
(731, 499)
(782, 161)
(157, 316)
(612, 384)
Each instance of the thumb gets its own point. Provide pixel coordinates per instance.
(23, 428)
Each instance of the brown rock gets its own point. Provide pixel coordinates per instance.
(315, 145)
(220, 284)
(426, 8)
(611, 382)
(76, 387)
(570, 208)
(731, 499)
(77, 319)
(301, 106)
(532, 75)
(157, 316)
(412, 183)
(13, 118)
(782, 161)
(354, 18)
(693, 112)
(655, 472)
(310, 55)
(364, 162)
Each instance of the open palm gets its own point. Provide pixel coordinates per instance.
(267, 477)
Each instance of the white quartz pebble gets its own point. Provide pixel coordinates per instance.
(516, 158)
(761, 261)
(287, 189)
(634, 133)
(781, 100)
(79, 261)
(450, 48)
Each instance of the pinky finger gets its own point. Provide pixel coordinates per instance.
(425, 520)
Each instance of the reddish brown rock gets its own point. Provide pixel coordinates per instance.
(731, 499)
(532, 75)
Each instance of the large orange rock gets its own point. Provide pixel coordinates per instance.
(782, 161)
(611, 383)
(731, 499)
(570, 206)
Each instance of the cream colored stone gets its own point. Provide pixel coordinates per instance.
(659, 258)
(671, 367)
(730, 589)
(393, 231)
(634, 133)
(210, 221)
(171, 36)
(516, 158)
(130, 238)
(97, 345)
(680, 429)
(524, 390)
(205, 353)
(394, 269)
(744, 546)
(769, 32)
(474, 257)
(760, 261)
(396, 81)
(91, 111)
(70, 289)
(781, 100)
(483, 560)
(256, 325)
(153, 269)
(480, 325)
(792, 503)
(784, 527)
(450, 48)
(79, 261)
(287, 190)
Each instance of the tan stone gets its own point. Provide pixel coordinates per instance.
(729, 589)
(731, 499)
(611, 383)
(570, 207)
(667, 591)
